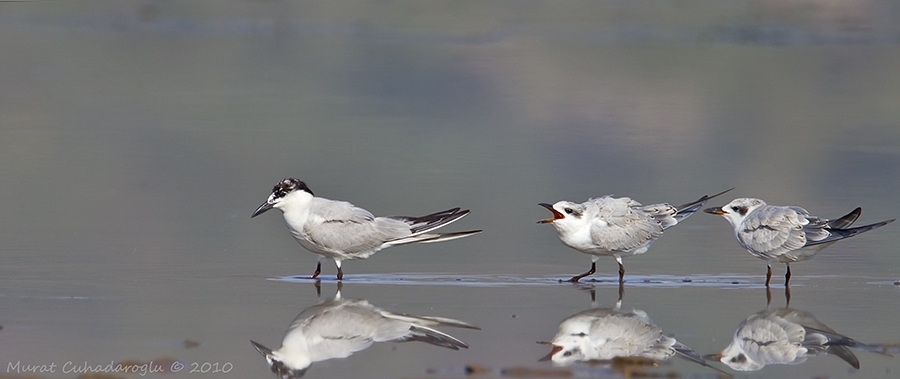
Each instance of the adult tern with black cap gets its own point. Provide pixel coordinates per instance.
(341, 231)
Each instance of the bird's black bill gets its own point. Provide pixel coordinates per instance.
(265, 351)
(262, 209)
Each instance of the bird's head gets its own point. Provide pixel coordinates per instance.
(563, 353)
(287, 192)
(736, 358)
(737, 210)
(279, 367)
(566, 214)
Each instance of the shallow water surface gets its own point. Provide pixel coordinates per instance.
(138, 137)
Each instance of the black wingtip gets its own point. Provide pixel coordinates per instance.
(845, 221)
(720, 193)
(699, 203)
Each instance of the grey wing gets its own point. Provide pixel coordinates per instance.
(625, 335)
(332, 210)
(770, 339)
(335, 329)
(772, 231)
(342, 227)
(345, 237)
(621, 225)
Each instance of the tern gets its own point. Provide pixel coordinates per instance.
(616, 227)
(337, 328)
(341, 231)
(604, 334)
(786, 234)
(788, 337)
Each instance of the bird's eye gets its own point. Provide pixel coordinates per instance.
(567, 354)
(736, 208)
(569, 210)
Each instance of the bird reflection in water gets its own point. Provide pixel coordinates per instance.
(339, 327)
(612, 335)
(786, 336)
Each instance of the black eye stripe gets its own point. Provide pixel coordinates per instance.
(741, 210)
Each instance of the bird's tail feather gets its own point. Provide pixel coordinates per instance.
(430, 320)
(690, 208)
(431, 237)
(434, 337)
(443, 321)
(427, 223)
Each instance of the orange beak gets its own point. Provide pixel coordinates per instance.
(714, 211)
(556, 215)
(555, 350)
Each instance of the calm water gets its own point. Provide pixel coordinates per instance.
(136, 138)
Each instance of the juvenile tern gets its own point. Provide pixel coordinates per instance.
(785, 336)
(785, 234)
(339, 327)
(341, 231)
(616, 227)
(600, 334)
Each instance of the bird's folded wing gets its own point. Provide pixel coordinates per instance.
(773, 231)
(625, 232)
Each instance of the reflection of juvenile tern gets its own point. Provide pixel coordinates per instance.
(605, 334)
(341, 231)
(340, 327)
(615, 227)
(785, 234)
(785, 336)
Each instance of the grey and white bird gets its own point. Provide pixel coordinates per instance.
(615, 227)
(341, 231)
(786, 337)
(339, 327)
(786, 234)
(601, 334)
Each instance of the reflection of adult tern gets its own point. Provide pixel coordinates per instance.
(340, 327)
(784, 336)
(341, 231)
(616, 227)
(785, 234)
(600, 334)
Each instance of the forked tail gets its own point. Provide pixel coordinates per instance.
(421, 226)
